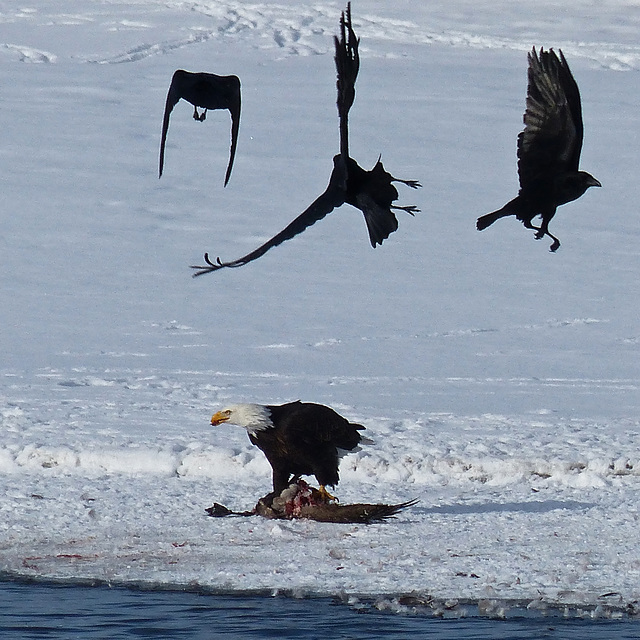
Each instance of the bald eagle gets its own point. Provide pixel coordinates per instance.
(298, 438)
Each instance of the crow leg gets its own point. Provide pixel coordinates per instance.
(410, 208)
(414, 184)
(200, 117)
(543, 231)
(555, 245)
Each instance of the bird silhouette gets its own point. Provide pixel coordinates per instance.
(548, 147)
(370, 191)
(207, 91)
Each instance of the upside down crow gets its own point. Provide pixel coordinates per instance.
(371, 191)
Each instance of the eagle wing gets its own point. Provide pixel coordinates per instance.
(552, 138)
(316, 425)
(323, 205)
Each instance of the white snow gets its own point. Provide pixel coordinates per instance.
(499, 382)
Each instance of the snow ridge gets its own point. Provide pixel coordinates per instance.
(436, 450)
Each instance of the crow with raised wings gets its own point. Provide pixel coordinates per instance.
(548, 147)
(370, 191)
(207, 91)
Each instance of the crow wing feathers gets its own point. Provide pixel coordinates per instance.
(347, 61)
(369, 191)
(207, 91)
(551, 141)
(323, 205)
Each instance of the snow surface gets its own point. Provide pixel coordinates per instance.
(499, 382)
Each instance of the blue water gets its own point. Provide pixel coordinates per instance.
(91, 613)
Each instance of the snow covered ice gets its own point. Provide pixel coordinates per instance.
(500, 383)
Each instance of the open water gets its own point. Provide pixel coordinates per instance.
(67, 612)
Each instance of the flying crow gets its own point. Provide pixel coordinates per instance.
(548, 147)
(207, 91)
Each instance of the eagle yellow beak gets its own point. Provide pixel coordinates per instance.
(219, 418)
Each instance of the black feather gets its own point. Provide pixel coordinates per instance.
(369, 191)
(548, 148)
(207, 91)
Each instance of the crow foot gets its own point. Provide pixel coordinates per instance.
(414, 184)
(541, 233)
(411, 208)
(200, 117)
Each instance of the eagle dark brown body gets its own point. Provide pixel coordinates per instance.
(298, 438)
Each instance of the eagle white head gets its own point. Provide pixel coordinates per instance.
(253, 417)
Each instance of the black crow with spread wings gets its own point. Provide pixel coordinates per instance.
(207, 91)
(548, 147)
(370, 191)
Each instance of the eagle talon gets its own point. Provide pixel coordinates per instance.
(325, 496)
